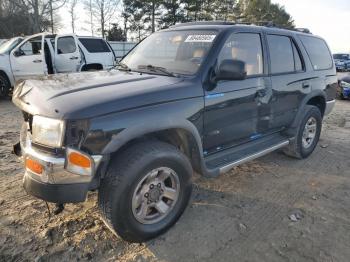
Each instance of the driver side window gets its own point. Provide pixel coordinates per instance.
(247, 48)
(32, 46)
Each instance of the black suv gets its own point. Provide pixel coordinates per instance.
(198, 96)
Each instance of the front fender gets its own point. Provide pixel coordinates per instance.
(109, 133)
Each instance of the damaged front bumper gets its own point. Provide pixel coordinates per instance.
(55, 183)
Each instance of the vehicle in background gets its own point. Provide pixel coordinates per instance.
(45, 54)
(343, 91)
(342, 62)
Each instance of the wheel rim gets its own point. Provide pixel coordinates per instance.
(155, 195)
(309, 133)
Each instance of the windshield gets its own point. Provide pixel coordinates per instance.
(179, 52)
(8, 45)
(340, 56)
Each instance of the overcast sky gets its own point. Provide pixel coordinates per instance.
(327, 18)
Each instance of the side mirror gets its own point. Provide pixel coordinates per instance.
(231, 70)
(18, 53)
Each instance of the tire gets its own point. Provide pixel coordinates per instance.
(5, 85)
(339, 94)
(126, 174)
(297, 148)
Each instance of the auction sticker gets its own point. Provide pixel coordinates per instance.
(200, 38)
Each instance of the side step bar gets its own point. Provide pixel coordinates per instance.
(229, 166)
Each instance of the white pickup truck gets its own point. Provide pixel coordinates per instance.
(45, 54)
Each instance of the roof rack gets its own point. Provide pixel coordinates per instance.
(303, 30)
(203, 23)
(270, 24)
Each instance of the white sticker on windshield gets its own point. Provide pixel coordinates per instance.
(200, 38)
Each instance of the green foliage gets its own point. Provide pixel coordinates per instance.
(260, 11)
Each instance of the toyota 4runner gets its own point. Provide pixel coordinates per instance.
(198, 96)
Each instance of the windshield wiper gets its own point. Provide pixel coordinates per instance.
(156, 69)
(122, 66)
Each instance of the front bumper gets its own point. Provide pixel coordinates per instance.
(55, 184)
(329, 107)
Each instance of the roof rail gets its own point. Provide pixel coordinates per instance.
(303, 30)
(203, 23)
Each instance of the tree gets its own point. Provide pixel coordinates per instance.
(258, 11)
(173, 13)
(116, 34)
(72, 12)
(103, 11)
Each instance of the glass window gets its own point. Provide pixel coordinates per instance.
(298, 64)
(247, 48)
(31, 47)
(180, 52)
(318, 52)
(66, 45)
(281, 54)
(95, 45)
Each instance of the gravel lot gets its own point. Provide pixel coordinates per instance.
(272, 209)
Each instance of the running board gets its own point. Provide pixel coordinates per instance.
(227, 167)
(224, 160)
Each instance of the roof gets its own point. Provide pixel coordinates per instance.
(228, 24)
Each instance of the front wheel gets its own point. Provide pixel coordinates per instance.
(5, 85)
(308, 134)
(145, 191)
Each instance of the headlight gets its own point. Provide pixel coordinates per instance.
(48, 131)
(344, 84)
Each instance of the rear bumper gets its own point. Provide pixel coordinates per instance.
(63, 193)
(329, 107)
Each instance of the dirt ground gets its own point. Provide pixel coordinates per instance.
(272, 209)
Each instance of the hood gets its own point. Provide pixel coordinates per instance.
(86, 95)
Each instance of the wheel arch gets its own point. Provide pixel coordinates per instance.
(92, 66)
(315, 98)
(184, 136)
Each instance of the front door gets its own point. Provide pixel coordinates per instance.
(27, 60)
(235, 111)
(67, 54)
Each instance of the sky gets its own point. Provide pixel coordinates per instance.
(329, 19)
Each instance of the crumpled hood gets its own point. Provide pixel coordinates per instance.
(85, 95)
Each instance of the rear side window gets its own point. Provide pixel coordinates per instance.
(318, 52)
(95, 45)
(281, 54)
(66, 45)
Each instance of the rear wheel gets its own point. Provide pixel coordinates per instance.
(308, 134)
(5, 85)
(145, 191)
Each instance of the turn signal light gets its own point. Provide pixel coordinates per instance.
(34, 166)
(80, 160)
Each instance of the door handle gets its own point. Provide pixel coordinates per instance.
(305, 85)
(37, 61)
(73, 57)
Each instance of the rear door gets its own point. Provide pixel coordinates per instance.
(289, 80)
(67, 54)
(27, 60)
(97, 51)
